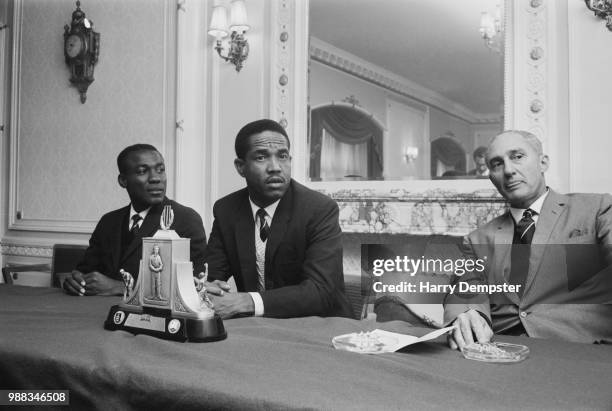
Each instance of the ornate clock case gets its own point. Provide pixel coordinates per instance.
(81, 50)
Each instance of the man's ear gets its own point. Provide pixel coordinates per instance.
(239, 164)
(544, 162)
(122, 180)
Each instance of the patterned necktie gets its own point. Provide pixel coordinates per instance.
(519, 264)
(135, 227)
(264, 228)
(260, 249)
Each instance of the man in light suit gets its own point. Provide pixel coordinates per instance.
(560, 261)
(116, 242)
(279, 240)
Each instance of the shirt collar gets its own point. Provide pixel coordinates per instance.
(143, 213)
(271, 209)
(517, 213)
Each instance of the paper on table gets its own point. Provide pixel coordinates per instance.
(380, 341)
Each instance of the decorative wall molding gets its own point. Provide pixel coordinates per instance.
(536, 66)
(289, 76)
(431, 211)
(26, 250)
(350, 64)
(193, 97)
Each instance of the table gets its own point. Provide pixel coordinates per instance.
(50, 340)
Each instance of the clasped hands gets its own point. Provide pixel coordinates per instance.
(228, 304)
(93, 283)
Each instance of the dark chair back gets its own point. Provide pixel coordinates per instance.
(65, 259)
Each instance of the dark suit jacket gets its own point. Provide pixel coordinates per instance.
(568, 289)
(107, 252)
(303, 266)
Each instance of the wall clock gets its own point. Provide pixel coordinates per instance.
(81, 50)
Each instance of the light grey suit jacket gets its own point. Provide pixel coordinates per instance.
(568, 289)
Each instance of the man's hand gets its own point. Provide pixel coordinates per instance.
(468, 325)
(74, 283)
(233, 304)
(93, 283)
(217, 287)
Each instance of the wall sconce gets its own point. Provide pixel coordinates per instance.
(491, 29)
(237, 46)
(411, 154)
(602, 9)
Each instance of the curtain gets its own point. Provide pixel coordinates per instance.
(339, 160)
(351, 127)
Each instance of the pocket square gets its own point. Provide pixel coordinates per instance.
(577, 233)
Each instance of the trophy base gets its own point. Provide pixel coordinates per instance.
(162, 324)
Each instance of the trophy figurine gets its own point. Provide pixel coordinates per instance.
(201, 288)
(166, 301)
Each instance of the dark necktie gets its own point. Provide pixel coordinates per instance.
(525, 227)
(264, 228)
(523, 234)
(135, 227)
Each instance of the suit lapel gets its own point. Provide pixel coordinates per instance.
(282, 215)
(244, 233)
(503, 246)
(553, 207)
(117, 237)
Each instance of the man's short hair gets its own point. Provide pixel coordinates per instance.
(480, 152)
(241, 146)
(530, 138)
(129, 150)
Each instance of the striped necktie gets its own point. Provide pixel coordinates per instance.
(135, 227)
(264, 228)
(260, 248)
(521, 250)
(525, 228)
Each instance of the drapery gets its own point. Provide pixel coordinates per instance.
(339, 160)
(349, 126)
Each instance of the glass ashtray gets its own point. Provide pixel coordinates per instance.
(495, 352)
(364, 343)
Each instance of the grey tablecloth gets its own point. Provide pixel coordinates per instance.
(53, 341)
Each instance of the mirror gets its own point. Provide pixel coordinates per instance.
(401, 89)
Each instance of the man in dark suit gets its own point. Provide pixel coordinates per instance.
(279, 240)
(555, 249)
(116, 243)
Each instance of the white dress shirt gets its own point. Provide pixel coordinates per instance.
(143, 215)
(517, 213)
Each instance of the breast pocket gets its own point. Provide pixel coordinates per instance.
(581, 239)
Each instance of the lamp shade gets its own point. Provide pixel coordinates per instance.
(411, 153)
(238, 16)
(487, 25)
(218, 22)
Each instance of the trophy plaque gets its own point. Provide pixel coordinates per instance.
(165, 302)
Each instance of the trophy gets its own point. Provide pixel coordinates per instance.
(166, 301)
